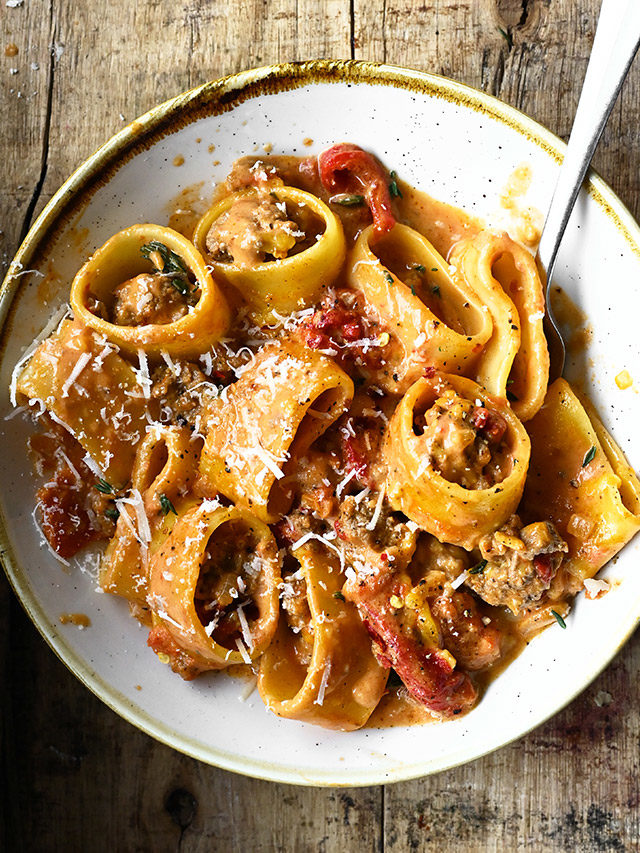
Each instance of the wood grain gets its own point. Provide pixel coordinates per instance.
(74, 775)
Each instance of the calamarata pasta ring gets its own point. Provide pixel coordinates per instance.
(423, 465)
(126, 255)
(283, 284)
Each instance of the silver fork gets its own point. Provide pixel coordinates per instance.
(614, 46)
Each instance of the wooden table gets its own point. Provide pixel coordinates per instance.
(76, 777)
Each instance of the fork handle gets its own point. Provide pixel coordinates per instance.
(614, 47)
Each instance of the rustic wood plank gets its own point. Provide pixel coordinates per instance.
(570, 785)
(83, 777)
(27, 60)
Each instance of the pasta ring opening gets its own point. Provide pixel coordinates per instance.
(444, 323)
(128, 260)
(286, 283)
(224, 610)
(456, 459)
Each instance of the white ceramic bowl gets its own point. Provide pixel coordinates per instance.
(457, 144)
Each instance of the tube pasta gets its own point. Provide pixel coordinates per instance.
(437, 319)
(449, 510)
(216, 563)
(288, 283)
(118, 261)
(580, 479)
(515, 360)
(341, 682)
(93, 392)
(276, 410)
(164, 471)
(422, 529)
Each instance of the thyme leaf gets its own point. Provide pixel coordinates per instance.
(171, 262)
(347, 199)
(479, 568)
(394, 189)
(166, 506)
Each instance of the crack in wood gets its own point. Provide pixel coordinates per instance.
(35, 196)
(352, 28)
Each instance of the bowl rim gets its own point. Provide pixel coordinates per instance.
(216, 97)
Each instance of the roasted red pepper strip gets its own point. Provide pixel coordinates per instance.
(425, 671)
(347, 168)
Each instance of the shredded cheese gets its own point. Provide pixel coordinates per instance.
(343, 484)
(323, 683)
(243, 651)
(376, 513)
(459, 580)
(267, 461)
(244, 627)
(142, 375)
(91, 465)
(308, 536)
(78, 367)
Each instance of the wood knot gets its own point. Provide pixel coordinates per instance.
(518, 18)
(181, 806)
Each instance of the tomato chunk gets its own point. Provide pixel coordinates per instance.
(426, 671)
(347, 168)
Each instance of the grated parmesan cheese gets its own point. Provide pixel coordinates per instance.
(173, 367)
(243, 651)
(323, 683)
(267, 461)
(78, 367)
(459, 580)
(91, 465)
(142, 375)
(307, 538)
(343, 484)
(244, 627)
(376, 513)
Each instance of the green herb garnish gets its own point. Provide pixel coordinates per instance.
(394, 189)
(413, 290)
(166, 506)
(348, 199)
(337, 594)
(170, 261)
(389, 278)
(180, 285)
(104, 487)
(589, 455)
(479, 568)
(419, 268)
(559, 619)
(436, 290)
(112, 512)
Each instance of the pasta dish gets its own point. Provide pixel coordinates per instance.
(316, 433)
